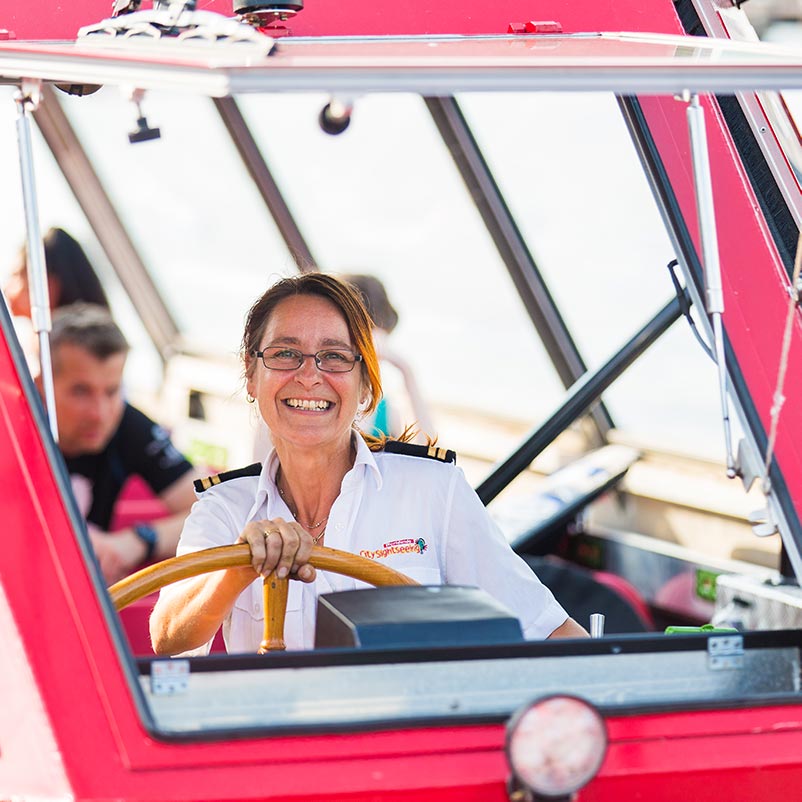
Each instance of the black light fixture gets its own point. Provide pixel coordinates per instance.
(335, 116)
(143, 132)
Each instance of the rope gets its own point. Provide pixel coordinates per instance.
(779, 398)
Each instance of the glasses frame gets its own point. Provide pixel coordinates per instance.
(316, 356)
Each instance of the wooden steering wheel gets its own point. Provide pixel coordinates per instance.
(156, 576)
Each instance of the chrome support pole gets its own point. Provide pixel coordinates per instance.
(714, 295)
(27, 100)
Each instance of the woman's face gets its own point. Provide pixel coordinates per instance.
(307, 323)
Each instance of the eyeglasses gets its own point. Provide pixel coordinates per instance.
(331, 360)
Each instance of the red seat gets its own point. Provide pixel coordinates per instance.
(135, 504)
(582, 592)
(138, 503)
(628, 592)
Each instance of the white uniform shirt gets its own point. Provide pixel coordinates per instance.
(419, 516)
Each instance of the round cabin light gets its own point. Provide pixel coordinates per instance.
(556, 745)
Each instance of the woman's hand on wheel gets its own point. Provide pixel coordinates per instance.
(283, 546)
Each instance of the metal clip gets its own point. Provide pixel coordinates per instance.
(169, 677)
(747, 465)
(762, 522)
(725, 652)
(30, 93)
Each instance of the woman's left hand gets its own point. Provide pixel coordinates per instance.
(283, 546)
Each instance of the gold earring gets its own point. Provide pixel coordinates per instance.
(249, 398)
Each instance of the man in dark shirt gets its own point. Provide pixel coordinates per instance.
(105, 440)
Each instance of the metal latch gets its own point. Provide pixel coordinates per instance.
(725, 652)
(169, 677)
(535, 26)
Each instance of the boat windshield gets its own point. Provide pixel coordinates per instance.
(386, 198)
(526, 239)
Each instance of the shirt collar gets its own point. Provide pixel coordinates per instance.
(364, 456)
(266, 486)
(364, 464)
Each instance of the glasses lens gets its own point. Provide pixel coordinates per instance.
(331, 360)
(281, 358)
(334, 361)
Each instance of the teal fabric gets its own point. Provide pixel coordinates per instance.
(381, 419)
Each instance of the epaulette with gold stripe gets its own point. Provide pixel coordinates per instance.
(211, 481)
(415, 450)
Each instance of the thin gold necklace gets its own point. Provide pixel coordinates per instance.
(295, 515)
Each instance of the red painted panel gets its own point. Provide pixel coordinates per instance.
(93, 745)
(43, 19)
(86, 739)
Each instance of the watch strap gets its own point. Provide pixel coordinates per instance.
(147, 534)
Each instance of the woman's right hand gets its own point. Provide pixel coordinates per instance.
(283, 546)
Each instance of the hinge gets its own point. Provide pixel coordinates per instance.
(169, 677)
(725, 652)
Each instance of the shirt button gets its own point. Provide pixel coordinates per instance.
(339, 527)
(256, 609)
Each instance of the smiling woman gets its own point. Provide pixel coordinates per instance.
(312, 368)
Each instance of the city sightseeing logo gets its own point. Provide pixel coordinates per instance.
(406, 546)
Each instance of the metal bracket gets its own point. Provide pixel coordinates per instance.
(169, 677)
(30, 93)
(763, 523)
(747, 465)
(725, 652)
(750, 468)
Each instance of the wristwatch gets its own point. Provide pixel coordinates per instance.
(147, 534)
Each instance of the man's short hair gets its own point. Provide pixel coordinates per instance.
(90, 327)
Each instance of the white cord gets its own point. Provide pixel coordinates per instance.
(779, 398)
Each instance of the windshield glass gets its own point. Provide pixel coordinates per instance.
(386, 198)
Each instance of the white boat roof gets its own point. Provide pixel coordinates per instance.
(624, 63)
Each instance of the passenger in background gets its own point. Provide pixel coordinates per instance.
(70, 276)
(70, 279)
(387, 418)
(105, 440)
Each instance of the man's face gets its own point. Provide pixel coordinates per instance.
(89, 402)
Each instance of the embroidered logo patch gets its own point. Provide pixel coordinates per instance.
(406, 546)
